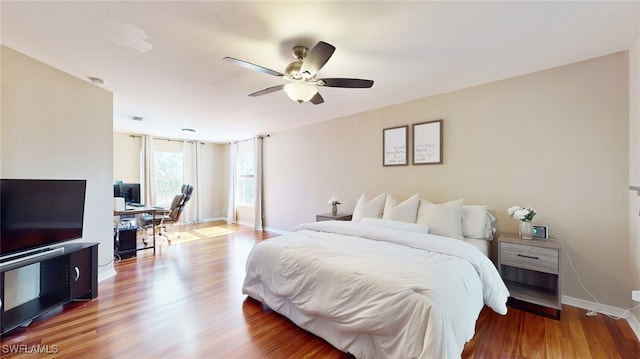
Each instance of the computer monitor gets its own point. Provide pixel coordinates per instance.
(130, 192)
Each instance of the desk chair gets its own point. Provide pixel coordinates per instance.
(172, 215)
(187, 190)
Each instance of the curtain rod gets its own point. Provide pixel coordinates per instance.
(249, 139)
(170, 139)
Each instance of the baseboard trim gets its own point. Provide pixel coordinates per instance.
(615, 312)
(111, 272)
(243, 223)
(206, 220)
(634, 323)
(276, 230)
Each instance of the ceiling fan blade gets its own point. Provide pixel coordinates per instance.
(317, 99)
(254, 67)
(267, 90)
(348, 83)
(318, 56)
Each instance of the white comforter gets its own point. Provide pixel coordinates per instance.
(376, 292)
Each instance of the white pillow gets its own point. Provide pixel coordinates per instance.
(406, 211)
(474, 221)
(443, 219)
(404, 226)
(490, 229)
(369, 208)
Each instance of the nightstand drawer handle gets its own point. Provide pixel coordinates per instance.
(530, 257)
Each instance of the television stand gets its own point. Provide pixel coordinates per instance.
(23, 256)
(66, 275)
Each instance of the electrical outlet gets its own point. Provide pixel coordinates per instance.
(635, 295)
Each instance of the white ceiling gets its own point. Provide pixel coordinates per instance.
(163, 60)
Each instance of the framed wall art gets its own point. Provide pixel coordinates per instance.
(395, 146)
(427, 143)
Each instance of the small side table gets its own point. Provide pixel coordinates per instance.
(331, 217)
(531, 270)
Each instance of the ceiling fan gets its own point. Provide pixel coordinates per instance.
(302, 74)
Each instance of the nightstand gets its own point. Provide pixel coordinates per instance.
(531, 270)
(331, 217)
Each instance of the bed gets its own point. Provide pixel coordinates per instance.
(377, 291)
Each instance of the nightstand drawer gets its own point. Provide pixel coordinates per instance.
(530, 257)
(333, 217)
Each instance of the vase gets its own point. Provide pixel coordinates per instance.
(526, 230)
(334, 209)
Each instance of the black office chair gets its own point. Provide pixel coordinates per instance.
(187, 190)
(173, 214)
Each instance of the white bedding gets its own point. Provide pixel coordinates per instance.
(483, 245)
(376, 292)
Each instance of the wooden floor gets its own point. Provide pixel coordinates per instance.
(186, 302)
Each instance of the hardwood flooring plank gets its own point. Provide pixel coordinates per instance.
(553, 340)
(533, 329)
(186, 301)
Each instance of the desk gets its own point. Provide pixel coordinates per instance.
(140, 210)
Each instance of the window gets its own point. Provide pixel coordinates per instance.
(168, 171)
(245, 190)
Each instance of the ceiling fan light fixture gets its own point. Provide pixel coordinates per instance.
(300, 91)
(293, 70)
(301, 74)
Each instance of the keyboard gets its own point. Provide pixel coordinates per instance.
(135, 204)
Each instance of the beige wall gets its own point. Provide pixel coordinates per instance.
(214, 183)
(634, 167)
(213, 188)
(126, 157)
(556, 140)
(57, 126)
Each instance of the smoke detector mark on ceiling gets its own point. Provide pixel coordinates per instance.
(127, 35)
(188, 132)
(97, 81)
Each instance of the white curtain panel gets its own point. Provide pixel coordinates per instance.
(198, 199)
(147, 177)
(190, 151)
(257, 168)
(231, 212)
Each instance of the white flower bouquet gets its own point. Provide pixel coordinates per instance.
(524, 214)
(334, 201)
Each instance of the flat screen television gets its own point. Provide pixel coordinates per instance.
(36, 213)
